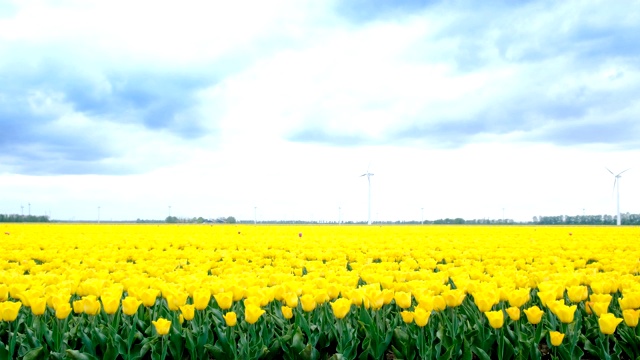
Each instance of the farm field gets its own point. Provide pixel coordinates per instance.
(317, 292)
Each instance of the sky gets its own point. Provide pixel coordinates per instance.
(272, 110)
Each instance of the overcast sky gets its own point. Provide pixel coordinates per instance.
(469, 109)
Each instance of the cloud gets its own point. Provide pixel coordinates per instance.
(531, 71)
(361, 11)
(310, 135)
(90, 88)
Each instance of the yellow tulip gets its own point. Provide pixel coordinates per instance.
(426, 302)
(631, 317)
(376, 298)
(483, 303)
(4, 292)
(38, 306)
(78, 306)
(407, 316)
(333, 291)
(149, 297)
(341, 307)
(224, 300)
(565, 313)
(321, 297)
(10, 310)
(63, 310)
(519, 297)
(356, 296)
(603, 298)
(608, 323)
(130, 305)
(421, 317)
(238, 292)
(556, 338)
(438, 303)
(58, 299)
(188, 311)
(454, 297)
(91, 305)
(514, 313)
(252, 313)
(534, 314)
(598, 308)
(630, 300)
(287, 312)
(176, 299)
(496, 318)
(403, 299)
(230, 318)
(201, 298)
(308, 302)
(577, 293)
(110, 304)
(162, 326)
(587, 306)
(546, 297)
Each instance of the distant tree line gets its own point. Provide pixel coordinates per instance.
(199, 220)
(15, 218)
(625, 219)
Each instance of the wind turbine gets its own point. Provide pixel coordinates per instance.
(368, 175)
(616, 187)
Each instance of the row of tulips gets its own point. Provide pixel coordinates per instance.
(76, 291)
(452, 325)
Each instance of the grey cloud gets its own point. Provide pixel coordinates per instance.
(556, 49)
(362, 11)
(621, 134)
(158, 100)
(323, 136)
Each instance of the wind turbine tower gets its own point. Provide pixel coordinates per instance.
(616, 186)
(368, 175)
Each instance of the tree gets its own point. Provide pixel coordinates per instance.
(171, 220)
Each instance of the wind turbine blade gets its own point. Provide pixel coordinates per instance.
(622, 172)
(609, 170)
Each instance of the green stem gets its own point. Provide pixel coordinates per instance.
(501, 343)
(518, 336)
(164, 348)
(58, 333)
(12, 341)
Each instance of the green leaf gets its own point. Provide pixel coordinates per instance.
(578, 353)
(396, 353)
(592, 349)
(121, 344)
(217, 352)
(111, 353)
(310, 353)
(99, 334)
(481, 354)
(190, 341)
(467, 354)
(144, 349)
(297, 344)
(33, 354)
(203, 338)
(87, 343)
(77, 355)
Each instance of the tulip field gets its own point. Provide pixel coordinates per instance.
(78, 291)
